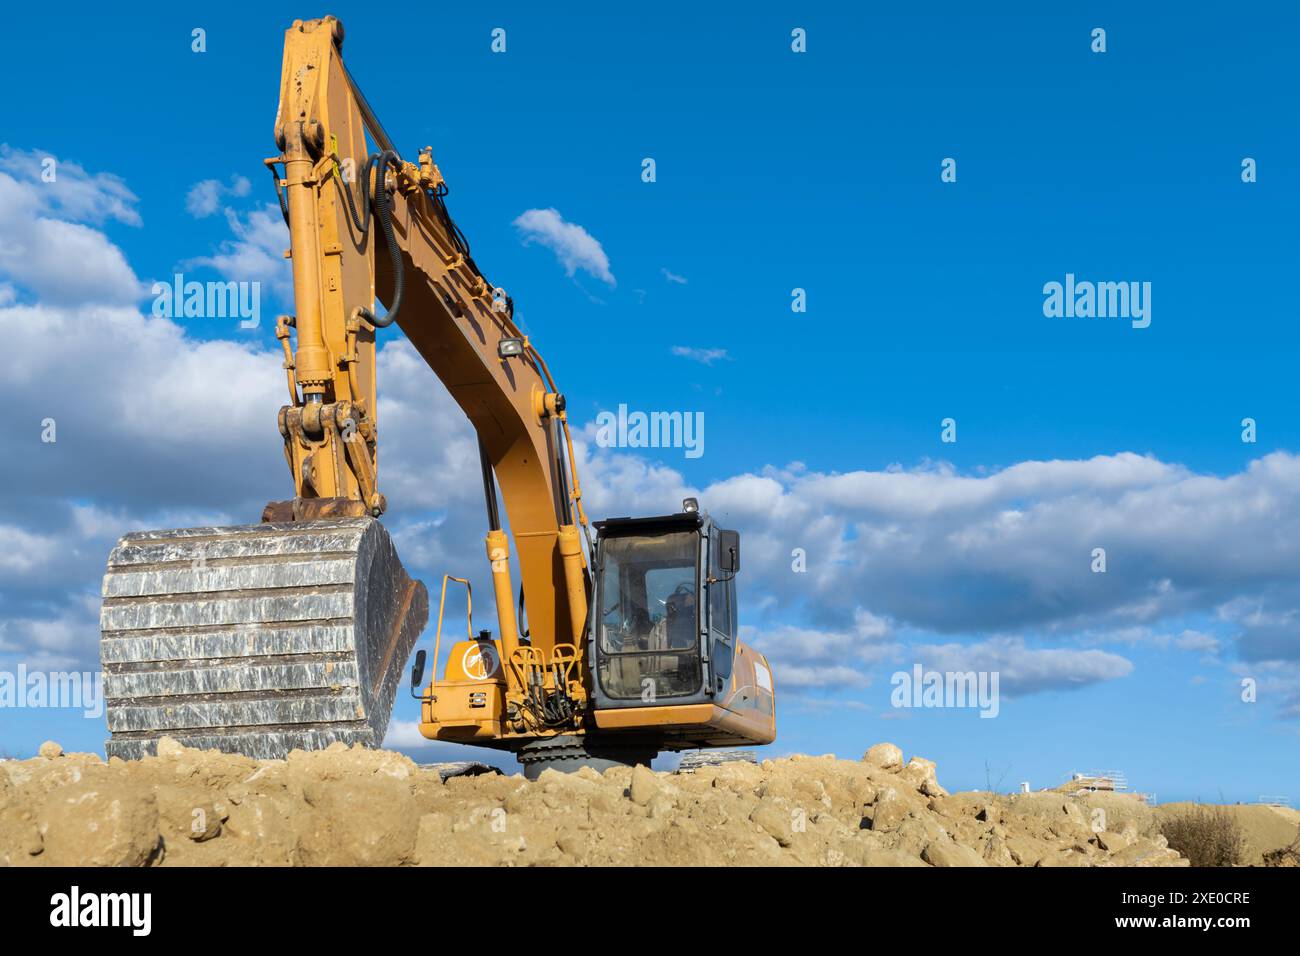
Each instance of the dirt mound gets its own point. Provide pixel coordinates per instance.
(1265, 830)
(353, 806)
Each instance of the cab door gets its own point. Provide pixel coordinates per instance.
(721, 623)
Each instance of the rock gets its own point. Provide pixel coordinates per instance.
(951, 854)
(96, 825)
(920, 775)
(169, 747)
(644, 785)
(49, 750)
(661, 806)
(996, 852)
(888, 812)
(1147, 853)
(573, 845)
(371, 822)
(1112, 842)
(188, 813)
(266, 831)
(1026, 851)
(884, 757)
(774, 821)
(20, 840)
(1074, 813)
(917, 832)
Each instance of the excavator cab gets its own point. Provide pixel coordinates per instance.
(647, 643)
(663, 639)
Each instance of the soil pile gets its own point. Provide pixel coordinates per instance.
(344, 806)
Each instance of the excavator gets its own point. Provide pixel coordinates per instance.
(294, 633)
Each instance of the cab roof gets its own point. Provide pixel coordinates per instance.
(682, 521)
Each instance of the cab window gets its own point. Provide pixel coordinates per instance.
(722, 620)
(648, 642)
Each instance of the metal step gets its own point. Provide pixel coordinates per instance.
(256, 639)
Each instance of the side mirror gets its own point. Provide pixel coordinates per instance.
(417, 673)
(729, 550)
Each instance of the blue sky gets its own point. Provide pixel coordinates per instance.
(777, 171)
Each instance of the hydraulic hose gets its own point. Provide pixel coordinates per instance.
(359, 222)
(382, 212)
(279, 194)
(375, 204)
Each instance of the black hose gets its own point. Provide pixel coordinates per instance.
(523, 616)
(384, 215)
(360, 222)
(376, 204)
(279, 194)
(489, 488)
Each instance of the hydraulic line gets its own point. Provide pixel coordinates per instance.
(374, 202)
(380, 200)
(279, 194)
(489, 489)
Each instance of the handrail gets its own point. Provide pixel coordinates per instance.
(469, 617)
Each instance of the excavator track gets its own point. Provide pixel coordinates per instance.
(256, 639)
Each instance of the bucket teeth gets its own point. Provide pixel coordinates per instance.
(256, 639)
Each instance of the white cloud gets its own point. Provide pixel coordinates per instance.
(205, 196)
(946, 557)
(573, 246)
(1022, 669)
(673, 277)
(37, 249)
(73, 194)
(1196, 641)
(703, 356)
(256, 254)
(1142, 635)
(805, 657)
(21, 551)
(1012, 549)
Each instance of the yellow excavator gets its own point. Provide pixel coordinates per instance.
(294, 633)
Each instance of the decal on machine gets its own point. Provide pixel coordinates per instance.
(480, 661)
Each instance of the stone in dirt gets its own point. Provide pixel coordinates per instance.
(884, 756)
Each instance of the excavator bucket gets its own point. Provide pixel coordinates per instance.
(256, 639)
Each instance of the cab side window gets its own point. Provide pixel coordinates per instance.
(722, 621)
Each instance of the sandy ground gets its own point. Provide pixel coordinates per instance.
(1265, 828)
(353, 806)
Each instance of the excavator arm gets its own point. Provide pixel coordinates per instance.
(410, 254)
